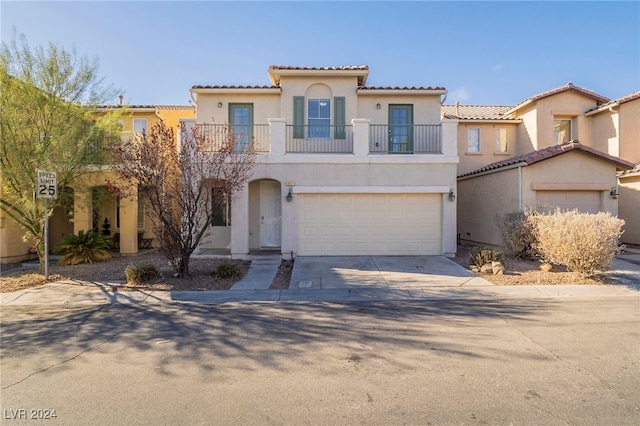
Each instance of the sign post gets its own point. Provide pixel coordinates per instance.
(47, 188)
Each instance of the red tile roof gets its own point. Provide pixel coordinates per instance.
(569, 87)
(619, 101)
(172, 107)
(550, 152)
(340, 68)
(477, 112)
(216, 86)
(401, 88)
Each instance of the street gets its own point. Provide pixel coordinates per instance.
(485, 360)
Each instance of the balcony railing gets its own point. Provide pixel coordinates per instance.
(242, 135)
(405, 139)
(319, 139)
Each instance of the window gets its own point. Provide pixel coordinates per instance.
(220, 207)
(473, 140)
(501, 139)
(319, 116)
(140, 125)
(561, 131)
(241, 120)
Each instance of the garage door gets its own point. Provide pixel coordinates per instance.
(369, 224)
(584, 201)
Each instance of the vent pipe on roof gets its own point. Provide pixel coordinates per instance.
(120, 99)
(458, 108)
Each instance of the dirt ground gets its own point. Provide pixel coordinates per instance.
(200, 269)
(527, 272)
(518, 272)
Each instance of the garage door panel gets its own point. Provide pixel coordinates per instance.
(351, 224)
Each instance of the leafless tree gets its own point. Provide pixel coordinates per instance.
(183, 182)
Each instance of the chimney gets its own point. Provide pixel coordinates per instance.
(121, 99)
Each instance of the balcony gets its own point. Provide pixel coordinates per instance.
(319, 139)
(405, 139)
(360, 138)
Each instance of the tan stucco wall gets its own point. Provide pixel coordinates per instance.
(12, 248)
(562, 105)
(265, 106)
(629, 208)
(605, 132)
(630, 131)
(470, 161)
(483, 198)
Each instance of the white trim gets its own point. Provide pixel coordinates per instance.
(435, 189)
(354, 159)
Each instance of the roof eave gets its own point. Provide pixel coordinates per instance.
(410, 92)
(276, 74)
(235, 90)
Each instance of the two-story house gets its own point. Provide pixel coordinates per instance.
(568, 147)
(343, 168)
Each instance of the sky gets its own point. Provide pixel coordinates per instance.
(496, 53)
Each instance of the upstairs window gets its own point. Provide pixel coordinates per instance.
(473, 140)
(561, 131)
(319, 118)
(140, 126)
(501, 140)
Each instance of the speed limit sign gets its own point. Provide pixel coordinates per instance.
(47, 184)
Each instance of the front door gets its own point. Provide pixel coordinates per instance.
(400, 128)
(270, 213)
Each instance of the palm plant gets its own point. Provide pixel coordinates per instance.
(86, 247)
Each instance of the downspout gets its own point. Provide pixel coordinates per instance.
(520, 188)
(158, 115)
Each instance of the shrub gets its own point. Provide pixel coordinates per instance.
(517, 234)
(584, 243)
(227, 270)
(141, 273)
(86, 247)
(482, 256)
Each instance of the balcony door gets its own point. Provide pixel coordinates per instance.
(241, 122)
(400, 128)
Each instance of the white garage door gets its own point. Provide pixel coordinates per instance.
(584, 201)
(369, 224)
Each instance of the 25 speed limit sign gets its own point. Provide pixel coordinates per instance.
(47, 184)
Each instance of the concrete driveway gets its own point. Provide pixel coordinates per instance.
(396, 272)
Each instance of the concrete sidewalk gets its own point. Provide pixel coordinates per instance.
(336, 280)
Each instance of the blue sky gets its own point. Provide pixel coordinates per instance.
(482, 52)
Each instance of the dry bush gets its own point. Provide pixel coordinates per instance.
(584, 243)
(141, 273)
(482, 256)
(517, 234)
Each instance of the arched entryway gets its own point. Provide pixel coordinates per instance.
(265, 214)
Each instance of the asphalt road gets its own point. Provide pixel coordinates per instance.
(482, 361)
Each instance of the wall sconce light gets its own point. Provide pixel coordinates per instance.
(614, 192)
(452, 196)
(219, 104)
(289, 196)
(378, 105)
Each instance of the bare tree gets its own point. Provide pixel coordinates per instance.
(184, 183)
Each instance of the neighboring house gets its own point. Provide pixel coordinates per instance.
(490, 137)
(343, 168)
(127, 218)
(568, 176)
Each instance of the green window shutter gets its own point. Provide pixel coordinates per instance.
(339, 117)
(298, 117)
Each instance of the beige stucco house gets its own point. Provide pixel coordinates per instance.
(599, 174)
(343, 168)
(568, 176)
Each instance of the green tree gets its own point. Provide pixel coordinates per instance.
(50, 121)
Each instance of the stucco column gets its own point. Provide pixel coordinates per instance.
(449, 224)
(240, 224)
(277, 135)
(129, 224)
(82, 210)
(289, 241)
(449, 137)
(360, 136)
